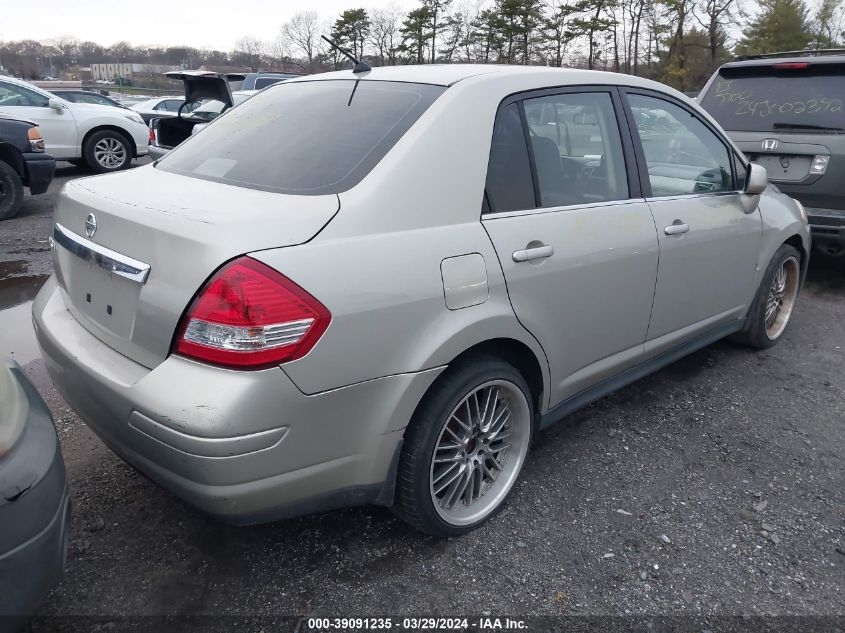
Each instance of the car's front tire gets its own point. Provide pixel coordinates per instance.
(774, 302)
(11, 191)
(107, 151)
(465, 447)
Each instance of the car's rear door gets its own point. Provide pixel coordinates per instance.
(575, 239)
(708, 241)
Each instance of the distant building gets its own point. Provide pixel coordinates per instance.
(123, 70)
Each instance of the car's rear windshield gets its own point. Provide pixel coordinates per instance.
(765, 98)
(307, 138)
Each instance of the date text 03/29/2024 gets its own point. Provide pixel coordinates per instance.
(481, 624)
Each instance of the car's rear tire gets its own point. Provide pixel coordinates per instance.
(107, 151)
(465, 447)
(774, 302)
(11, 191)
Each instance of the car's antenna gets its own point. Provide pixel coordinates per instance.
(360, 67)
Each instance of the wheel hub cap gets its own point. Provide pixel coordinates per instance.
(479, 452)
(110, 153)
(781, 298)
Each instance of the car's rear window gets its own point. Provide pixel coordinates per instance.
(308, 138)
(764, 98)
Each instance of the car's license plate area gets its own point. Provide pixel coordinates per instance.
(106, 299)
(784, 167)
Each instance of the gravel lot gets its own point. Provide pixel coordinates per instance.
(714, 487)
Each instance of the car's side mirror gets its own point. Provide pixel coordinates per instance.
(55, 104)
(756, 179)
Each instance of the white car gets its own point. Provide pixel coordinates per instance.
(157, 108)
(104, 138)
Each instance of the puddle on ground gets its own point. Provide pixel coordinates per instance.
(17, 338)
(17, 290)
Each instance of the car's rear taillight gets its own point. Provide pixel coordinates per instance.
(152, 134)
(249, 316)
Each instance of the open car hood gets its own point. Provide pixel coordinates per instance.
(204, 84)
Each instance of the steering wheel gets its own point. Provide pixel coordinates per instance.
(185, 105)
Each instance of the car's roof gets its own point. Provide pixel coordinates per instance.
(449, 74)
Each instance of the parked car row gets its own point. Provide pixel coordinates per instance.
(558, 234)
(209, 94)
(105, 138)
(530, 286)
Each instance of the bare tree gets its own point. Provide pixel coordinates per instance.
(717, 14)
(384, 33)
(252, 50)
(303, 31)
(280, 49)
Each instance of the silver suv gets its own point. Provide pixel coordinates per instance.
(374, 288)
(785, 111)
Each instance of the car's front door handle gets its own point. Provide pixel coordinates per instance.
(539, 252)
(676, 228)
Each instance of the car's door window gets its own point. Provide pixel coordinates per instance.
(682, 154)
(14, 95)
(509, 183)
(577, 148)
(172, 105)
(161, 106)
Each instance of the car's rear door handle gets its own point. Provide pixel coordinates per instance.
(539, 252)
(676, 228)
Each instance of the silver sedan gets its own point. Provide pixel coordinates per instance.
(376, 287)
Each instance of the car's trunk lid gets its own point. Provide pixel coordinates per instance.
(182, 228)
(202, 84)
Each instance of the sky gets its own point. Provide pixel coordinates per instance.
(214, 24)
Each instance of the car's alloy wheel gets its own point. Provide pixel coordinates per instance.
(479, 452)
(465, 446)
(781, 298)
(110, 153)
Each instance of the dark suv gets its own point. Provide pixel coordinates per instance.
(785, 111)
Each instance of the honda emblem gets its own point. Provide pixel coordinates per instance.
(770, 144)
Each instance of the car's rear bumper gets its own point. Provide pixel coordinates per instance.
(244, 445)
(39, 171)
(34, 510)
(827, 225)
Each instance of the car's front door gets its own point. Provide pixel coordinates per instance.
(576, 240)
(708, 242)
(57, 128)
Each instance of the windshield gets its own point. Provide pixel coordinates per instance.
(308, 138)
(763, 99)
